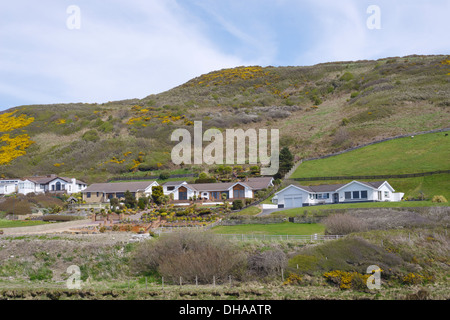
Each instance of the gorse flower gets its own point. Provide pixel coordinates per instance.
(13, 147)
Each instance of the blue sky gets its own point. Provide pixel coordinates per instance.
(131, 49)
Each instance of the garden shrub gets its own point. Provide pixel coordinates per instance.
(439, 199)
(237, 205)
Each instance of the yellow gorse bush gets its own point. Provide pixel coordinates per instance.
(345, 279)
(13, 147)
(227, 76)
(9, 122)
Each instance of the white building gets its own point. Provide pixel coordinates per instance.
(50, 183)
(214, 191)
(297, 196)
(8, 187)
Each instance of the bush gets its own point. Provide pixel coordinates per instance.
(342, 224)
(237, 205)
(439, 199)
(164, 175)
(189, 255)
(16, 206)
(347, 280)
(267, 263)
(412, 279)
(91, 136)
(347, 76)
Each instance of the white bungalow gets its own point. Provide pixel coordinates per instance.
(355, 191)
(214, 191)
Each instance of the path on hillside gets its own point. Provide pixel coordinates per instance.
(57, 227)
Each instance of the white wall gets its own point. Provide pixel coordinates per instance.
(26, 187)
(291, 190)
(7, 188)
(357, 187)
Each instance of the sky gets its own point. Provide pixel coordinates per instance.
(92, 51)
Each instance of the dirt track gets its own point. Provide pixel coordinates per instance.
(49, 228)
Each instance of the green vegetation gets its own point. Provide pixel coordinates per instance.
(423, 153)
(250, 211)
(19, 223)
(286, 228)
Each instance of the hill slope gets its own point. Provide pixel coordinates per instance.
(319, 110)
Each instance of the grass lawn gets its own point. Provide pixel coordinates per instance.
(13, 223)
(427, 152)
(286, 228)
(317, 209)
(250, 211)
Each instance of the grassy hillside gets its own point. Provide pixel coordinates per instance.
(423, 153)
(318, 110)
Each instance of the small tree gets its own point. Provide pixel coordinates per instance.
(114, 202)
(157, 193)
(225, 201)
(142, 203)
(130, 200)
(286, 162)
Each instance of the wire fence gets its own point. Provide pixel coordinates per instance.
(162, 230)
(385, 176)
(287, 237)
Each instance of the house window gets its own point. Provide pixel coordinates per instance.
(386, 194)
(182, 195)
(88, 194)
(170, 188)
(239, 194)
(348, 195)
(323, 196)
(311, 196)
(363, 194)
(98, 194)
(355, 194)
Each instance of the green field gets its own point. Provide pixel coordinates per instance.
(423, 153)
(317, 209)
(13, 224)
(286, 228)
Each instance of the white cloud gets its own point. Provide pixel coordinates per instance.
(407, 27)
(105, 60)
